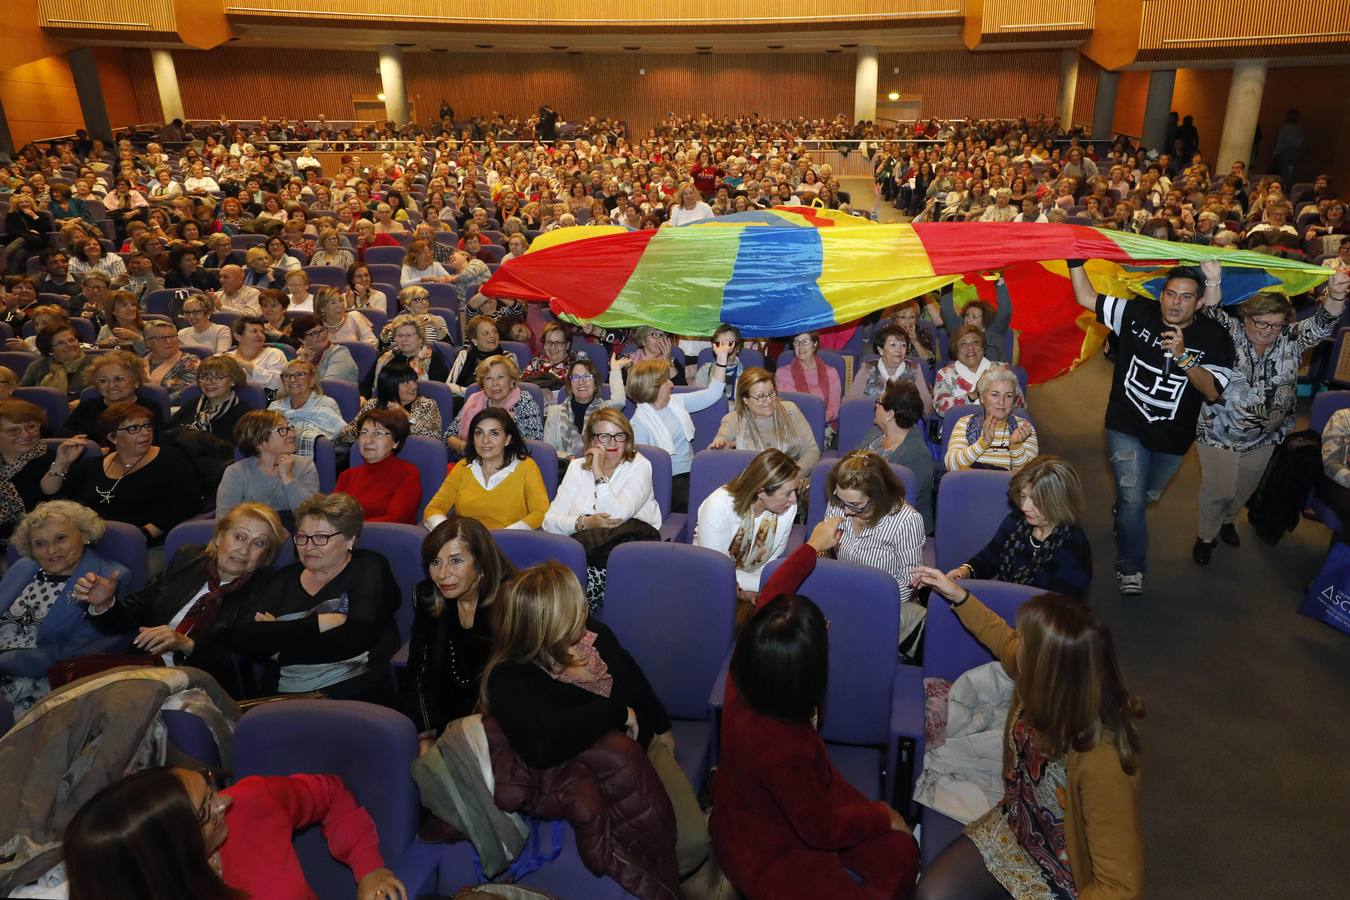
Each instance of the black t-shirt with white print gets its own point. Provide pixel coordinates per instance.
(1150, 399)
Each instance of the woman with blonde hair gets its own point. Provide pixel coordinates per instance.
(415, 301)
(409, 345)
(750, 517)
(309, 412)
(559, 680)
(119, 376)
(1068, 823)
(1040, 542)
(606, 498)
(499, 384)
(331, 251)
(452, 624)
(760, 420)
(342, 324)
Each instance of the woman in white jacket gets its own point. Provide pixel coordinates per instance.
(750, 518)
(606, 498)
(662, 417)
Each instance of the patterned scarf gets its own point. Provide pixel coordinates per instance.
(748, 552)
(204, 611)
(206, 416)
(58, 374)
(797, 372)
(1019, 568)
(11, 504)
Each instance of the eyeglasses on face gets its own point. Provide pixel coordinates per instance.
(852, 507)
(318, 539)
(762, 398)
(210, 379)
(555, 343)
(607, 439)
(13, 431)
(283, 430)
(294, 376)
(213, 805)
(575, 379)
(136, 428)
(111, 379)
(1266, 326)
(376, 433)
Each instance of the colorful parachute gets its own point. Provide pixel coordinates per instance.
(792, 269)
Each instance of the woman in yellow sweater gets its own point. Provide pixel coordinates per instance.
(496, 482)
(1068, 824)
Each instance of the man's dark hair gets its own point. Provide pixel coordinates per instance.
(1190, 272)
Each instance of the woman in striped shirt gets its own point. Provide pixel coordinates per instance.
(993, 438)
(876, 526)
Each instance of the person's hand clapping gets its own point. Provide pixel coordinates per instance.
(1021, 432)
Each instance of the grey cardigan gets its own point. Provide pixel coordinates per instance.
(243, 482)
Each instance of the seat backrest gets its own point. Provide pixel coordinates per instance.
(440, 393)
(430, 457)
(1323, 406)
(596, 353)
(401, 545)
(855, 418)
(706, 421)
(820, 473)
(392, 256)
(445, 296)
(949, 649)
(52, 401)
(813, 408)
(331, 276)
(661, 476)
(363, 355)
(158, 397)
(125, 544)
(971, 504)
(387, 272)
(18, 361)
(692, 606)
(546, 458)
(325, 460)
(345, 394)
(530, 548)
(862, 605)
(371, 748)
(710, 470)
(521, 351)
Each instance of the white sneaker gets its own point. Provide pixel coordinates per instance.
(1130, 584)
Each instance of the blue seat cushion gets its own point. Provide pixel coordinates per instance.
(860, 765)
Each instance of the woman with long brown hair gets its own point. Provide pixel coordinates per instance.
(1068, 824)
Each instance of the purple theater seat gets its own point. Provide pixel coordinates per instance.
(52, 401)
(1323, 406)
(371, 748)
(692, 606)
(444, 398)
(345, 395)
(546, 458)
(18, 361)
(815, 507)
(401, 545)
(855, 417)
(363, 355)
(971, 504)
(672, 524)
(392, 256)
(327, 276)
(813, 408)
(530, 548)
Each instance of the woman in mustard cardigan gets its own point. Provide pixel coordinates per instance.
(1068, 824)
(496, 482)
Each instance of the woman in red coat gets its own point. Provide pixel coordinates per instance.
(389, 489)
(785, 823)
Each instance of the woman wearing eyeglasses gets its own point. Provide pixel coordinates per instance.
(119, 376)
(1236, 436)
(761, 421)
(326, 623)
(270, 473)
(550, 368)
(166, 832)
(808, 374)
(563, 422)
(876, 526)
(606, 497)
(311, 414)
(389, 489)
(151, 487)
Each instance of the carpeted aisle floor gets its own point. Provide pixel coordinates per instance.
(1246, 784)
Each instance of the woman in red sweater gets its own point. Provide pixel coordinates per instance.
(785, 823)
(164, 834)
(389, 489)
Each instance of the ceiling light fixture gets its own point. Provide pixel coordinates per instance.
(893, 96)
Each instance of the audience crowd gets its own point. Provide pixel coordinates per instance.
(212, 325)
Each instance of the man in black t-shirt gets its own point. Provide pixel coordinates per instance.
(1169, 362)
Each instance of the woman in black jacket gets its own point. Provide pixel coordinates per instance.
(558, 681)
(185, 270)
(187, 612)
(452, 628)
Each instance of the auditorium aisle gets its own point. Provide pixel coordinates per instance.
(1246, 777)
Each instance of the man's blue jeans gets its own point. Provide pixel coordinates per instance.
(1141, 475)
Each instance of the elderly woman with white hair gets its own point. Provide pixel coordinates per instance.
(309, 413)
(1002, 210)
(994, 437)
(41, 618)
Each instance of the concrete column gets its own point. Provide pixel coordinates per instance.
(84, 70)
(1068, 87)
(1104, 113)
(865, 86)
(391, 84)
(1157, 107)
(6, 139)
(1239, 119)
(166, 82)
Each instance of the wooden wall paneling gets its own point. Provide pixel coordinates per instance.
(1085, 97)
(247, 82)
(142, 72)
(1190, 29)
(107, 15)
(1006, 21)
(119, 95)
(39, 100)
(1203, 94)
(1319, 94)
(976, 84)
(1131, 96)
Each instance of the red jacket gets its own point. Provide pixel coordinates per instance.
(388, 491)
(381, 239)
(267, 811)
(776, 791)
